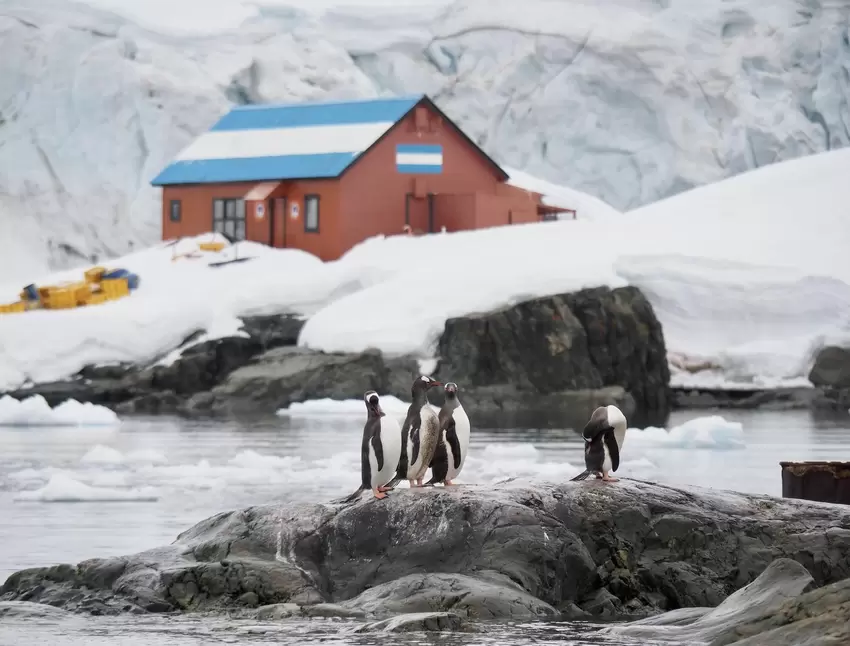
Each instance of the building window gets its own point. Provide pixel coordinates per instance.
(175, 210)
(311, 213)
(229, 218)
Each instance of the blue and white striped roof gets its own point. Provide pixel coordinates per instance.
(294, 141)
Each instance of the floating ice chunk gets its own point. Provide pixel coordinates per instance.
(61, 488)
(711, 432)
(35, 411)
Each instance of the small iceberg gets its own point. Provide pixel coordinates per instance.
(35, 411)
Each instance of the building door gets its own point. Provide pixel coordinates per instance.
(229, 218)
(419, 213)
(278, 222)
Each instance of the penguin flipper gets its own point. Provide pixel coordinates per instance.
(584, 475)
(613, 449)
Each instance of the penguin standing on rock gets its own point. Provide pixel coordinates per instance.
(603, 440)
(454, 440)
(419, 435)
(380, 450)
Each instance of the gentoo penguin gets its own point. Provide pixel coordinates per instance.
(603, 440)
(380, 449)
(454, 439)
(419, 435)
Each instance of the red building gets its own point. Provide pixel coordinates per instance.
(323, 177)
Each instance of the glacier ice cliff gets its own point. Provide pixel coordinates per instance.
(628, 100)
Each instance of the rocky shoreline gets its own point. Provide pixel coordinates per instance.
(517, 550)
(563, 354)
(540, 362)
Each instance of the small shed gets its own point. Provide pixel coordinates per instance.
(323, 177)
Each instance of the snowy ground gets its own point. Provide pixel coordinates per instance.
(748, 277)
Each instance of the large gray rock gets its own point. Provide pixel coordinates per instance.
(586, 340)
(774, 610)
(512, 550)
(783, 579)
(831, 368)
(286, 375)
(831, 374)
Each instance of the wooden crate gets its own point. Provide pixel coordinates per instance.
(211, 246)
(96, 298)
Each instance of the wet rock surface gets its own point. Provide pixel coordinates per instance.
(516, 550)
(421, 621)
(777, 609)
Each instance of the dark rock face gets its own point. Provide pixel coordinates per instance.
(515, 550)
(286, 375)
(587, 340)
(831, 374)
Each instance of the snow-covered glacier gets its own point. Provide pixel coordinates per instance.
(627, 100)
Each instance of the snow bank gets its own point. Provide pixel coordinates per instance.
(35, 411)
(586, 206)
(181, 291)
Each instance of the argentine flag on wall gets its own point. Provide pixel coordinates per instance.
(419, 158)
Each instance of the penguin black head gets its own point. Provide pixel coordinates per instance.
(424, 383)
(373, 403)
(451, 390)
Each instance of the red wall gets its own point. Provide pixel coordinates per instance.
(197, 209)
(373, 192)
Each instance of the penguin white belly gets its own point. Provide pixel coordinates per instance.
(462, 428)
(391, 445)
(429, 426)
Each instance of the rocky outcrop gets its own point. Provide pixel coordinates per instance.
(584, 341)
(831, 375)
(774, 610)
(773, 399)
(286, 375)
(515, 550)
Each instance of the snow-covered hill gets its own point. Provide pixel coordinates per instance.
(628, 100)
(749, 277)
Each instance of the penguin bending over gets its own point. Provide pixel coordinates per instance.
(454, 440)
(379, 451)
(419, 435)
(603, 440)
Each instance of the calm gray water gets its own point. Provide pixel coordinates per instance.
(68, 494)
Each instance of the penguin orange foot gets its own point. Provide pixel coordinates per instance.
(607, 478)
(380, 495)
(384, 488)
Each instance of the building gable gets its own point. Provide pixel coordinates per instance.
(303, 141)
(297, 141)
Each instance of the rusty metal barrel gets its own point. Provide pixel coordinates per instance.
(817, 481)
